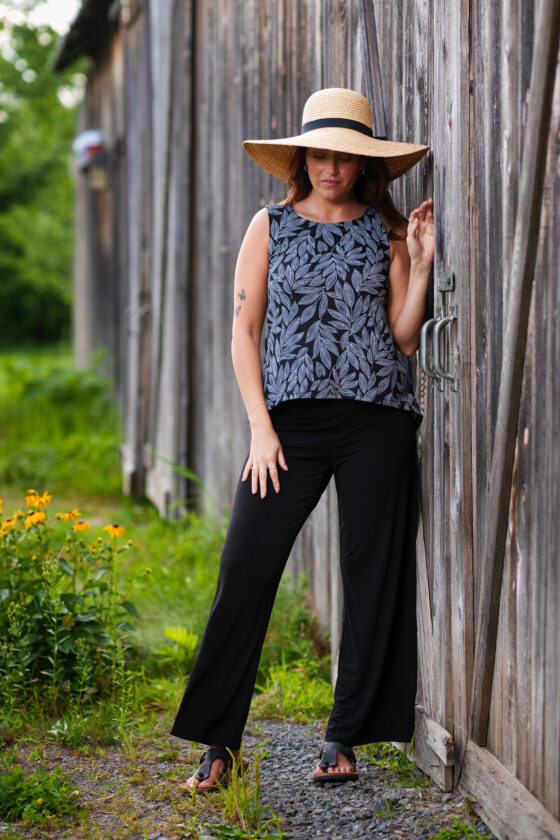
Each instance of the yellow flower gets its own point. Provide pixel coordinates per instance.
(71, 514)
(1, 500)
(39, 801)
(82, 525)
(31, 498)
(148, 570)
(114, 530)
(18, 514)
(44, 499)
(7, 525)
(34, 517)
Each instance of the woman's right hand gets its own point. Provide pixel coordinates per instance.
(265, 456)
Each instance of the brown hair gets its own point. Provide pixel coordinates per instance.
(372, 187)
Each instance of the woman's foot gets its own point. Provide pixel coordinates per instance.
(338, 763)
(214, 770)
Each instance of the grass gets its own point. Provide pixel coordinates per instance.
(460, 830)
(397, 766)
(35, 796)
(59, 426)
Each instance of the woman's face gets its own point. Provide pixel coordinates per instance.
(332, 174)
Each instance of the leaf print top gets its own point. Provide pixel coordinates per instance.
(327, 335)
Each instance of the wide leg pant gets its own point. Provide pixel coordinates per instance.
(371, 451)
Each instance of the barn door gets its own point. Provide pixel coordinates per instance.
(445, 608)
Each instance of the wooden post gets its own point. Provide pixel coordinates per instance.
(545, 51)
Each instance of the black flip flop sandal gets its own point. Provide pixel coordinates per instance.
(206, 765)
(328, 758)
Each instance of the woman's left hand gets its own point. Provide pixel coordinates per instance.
(420, 234)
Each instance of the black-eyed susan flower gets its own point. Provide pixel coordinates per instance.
(31, 498)
(18, 514)
(44, 500)
(7, 525)
(34, 517)
(148, 570)
(114, 530)
(81, 525)
(69, 514)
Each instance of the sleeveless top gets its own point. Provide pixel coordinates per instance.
(326, 324)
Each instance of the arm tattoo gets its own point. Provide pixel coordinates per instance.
(242, 296)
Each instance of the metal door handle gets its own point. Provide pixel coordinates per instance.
(424, 338)
(436, 348)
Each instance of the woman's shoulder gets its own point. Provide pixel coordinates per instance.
(276, 210)
(398, 229)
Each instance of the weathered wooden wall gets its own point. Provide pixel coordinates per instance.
(177, 88)
(474, 61)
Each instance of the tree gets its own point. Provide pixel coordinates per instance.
(37, 119)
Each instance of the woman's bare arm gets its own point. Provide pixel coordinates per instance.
(408, 278)
(250, 300)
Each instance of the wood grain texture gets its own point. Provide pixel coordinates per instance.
(506, 805)
(525, 247)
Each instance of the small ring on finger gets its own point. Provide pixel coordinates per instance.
(253, 469)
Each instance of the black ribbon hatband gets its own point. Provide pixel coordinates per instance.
(340, 122)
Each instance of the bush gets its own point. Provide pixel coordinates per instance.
(64, 623)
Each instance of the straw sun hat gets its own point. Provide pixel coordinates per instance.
(339, 120)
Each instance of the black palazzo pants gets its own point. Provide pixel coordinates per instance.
(371, 451)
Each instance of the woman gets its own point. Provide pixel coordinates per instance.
(341, 280)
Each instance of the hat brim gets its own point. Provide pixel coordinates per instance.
(276, 156)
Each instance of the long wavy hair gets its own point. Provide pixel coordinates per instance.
(372, 187)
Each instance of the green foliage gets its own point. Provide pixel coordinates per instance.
(36, 795)
(459, 831)
(183, 652)
(399, 769)
(59, 426)
(297, 690)
(64, 622)
(38, 109)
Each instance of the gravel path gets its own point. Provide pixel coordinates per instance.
(367, 808)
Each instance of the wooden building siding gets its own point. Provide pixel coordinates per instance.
(176, 87)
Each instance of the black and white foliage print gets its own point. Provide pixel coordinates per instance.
(326, 326)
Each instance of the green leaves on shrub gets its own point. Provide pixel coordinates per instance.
(33, 796)
(64, 623)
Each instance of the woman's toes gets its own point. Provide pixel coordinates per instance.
(189, 784)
